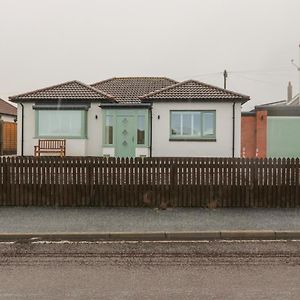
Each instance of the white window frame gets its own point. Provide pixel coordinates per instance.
(193, 136)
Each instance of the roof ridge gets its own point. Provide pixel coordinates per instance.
(102, 81)
(133, 77)
(94, 89)
(195, 81)
(144, 77)
(164, 89)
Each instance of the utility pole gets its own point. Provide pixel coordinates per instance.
(298, 69)
(225, 74)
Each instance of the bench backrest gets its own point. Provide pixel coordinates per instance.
(52, 144)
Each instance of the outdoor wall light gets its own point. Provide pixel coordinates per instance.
(158, 117)
(96, 117)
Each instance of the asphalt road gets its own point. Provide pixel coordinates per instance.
(150, 270)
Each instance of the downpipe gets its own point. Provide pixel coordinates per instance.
(22, 131)
(151, 121)
(233, 130)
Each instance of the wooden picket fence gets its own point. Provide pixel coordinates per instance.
(154, 182)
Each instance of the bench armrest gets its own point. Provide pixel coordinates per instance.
(36, 150)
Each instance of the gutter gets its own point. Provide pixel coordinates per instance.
(32, 237)
(117, 105)
(22, 131)
(233, 129)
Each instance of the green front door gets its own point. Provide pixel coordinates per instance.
(125, 136)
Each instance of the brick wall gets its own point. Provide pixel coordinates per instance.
(248, 136)
(8, 138)
(254, 135)
(261, 133)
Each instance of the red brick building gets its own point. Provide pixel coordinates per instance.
(272, 129)
(254, 134)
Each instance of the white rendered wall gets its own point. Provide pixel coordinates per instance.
(74, 147)
(19, 129)
(7, 118)
(222, 147)
(94, 130)
(238, 123)
(108, 151)
(142, 151)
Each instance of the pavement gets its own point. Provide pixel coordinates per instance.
(139, 223)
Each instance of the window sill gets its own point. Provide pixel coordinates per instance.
(191, 140)
(136, 146)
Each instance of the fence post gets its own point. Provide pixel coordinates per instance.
(297, 183)
(1, 137)
(173, 183)
(6, 182)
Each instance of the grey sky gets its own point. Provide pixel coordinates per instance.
(51, 41)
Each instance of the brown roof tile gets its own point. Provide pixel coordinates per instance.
(129, 89)
(71, 90)
(7, 109)
(193, 90)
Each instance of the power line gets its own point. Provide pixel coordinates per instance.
(200, 75)
(257, 71)
(283, 69)
(256, 80)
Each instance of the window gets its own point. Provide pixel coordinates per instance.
(61, 123)
(193, 125)
(141, 130)
(175, 124)
(208, 123)
(109, 130)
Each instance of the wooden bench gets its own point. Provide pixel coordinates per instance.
(50, 146)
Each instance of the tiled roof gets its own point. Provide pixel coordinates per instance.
(192, 90)
(71, 90)
(129, 89)
(7, 109)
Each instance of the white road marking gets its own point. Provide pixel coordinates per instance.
(159, 242)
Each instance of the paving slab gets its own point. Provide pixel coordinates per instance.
(31, 220)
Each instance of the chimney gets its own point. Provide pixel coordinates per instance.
(289, 92)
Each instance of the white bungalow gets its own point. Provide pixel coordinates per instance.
(133, 117)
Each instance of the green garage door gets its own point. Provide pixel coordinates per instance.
(283, 139)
